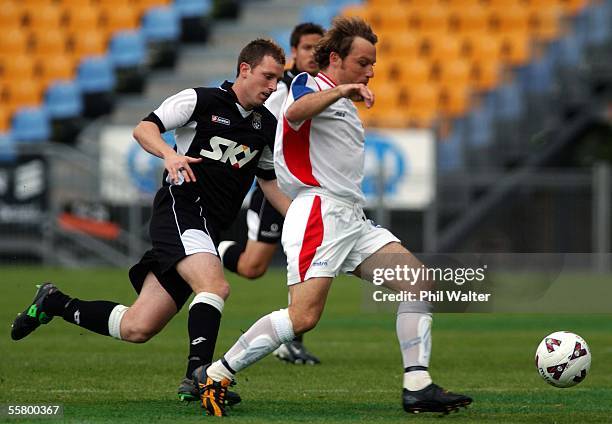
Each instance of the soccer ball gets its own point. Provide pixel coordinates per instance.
(563, 359)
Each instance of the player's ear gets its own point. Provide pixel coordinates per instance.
(244, 69)
(334, 58)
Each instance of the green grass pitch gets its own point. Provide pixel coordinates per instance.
(488, 356)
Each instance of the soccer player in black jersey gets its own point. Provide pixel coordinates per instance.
(264, 223)
(224, 138)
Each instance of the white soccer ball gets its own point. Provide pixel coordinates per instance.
(563, 359)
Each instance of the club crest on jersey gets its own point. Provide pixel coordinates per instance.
(256, 121)
(220, 120)
(237, 154)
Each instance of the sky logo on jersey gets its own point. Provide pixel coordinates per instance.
(232, 151)
(220, 120)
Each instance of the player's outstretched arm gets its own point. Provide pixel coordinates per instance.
(310, 105)
(148, 136)
(276, 197)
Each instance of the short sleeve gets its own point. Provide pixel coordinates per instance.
(302, 85)
(175, 111)
(265, 166)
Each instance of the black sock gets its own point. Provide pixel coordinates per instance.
(92, 315)
(231, 256)
(203, 324)
(55, 303)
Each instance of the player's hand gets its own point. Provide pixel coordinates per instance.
(358, 93)
(178, 165)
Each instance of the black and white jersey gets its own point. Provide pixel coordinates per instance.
(276, 99)
(235, 145)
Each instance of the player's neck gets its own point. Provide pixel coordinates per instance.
(241, 95)
(331, 74)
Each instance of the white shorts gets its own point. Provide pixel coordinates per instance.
(324, 236)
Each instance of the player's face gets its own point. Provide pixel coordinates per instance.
(262, 79)
(303, 54)
(358, 65)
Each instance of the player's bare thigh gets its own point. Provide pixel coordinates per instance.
(204, 273)
(389, 257)
(307, 302)
(256, 258)
(149, 314)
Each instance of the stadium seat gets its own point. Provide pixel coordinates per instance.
(455, 72)
(44, 16)
(454, 100)
(76, 3)
(26, 93)
(482, 47)
(472, 19)
(142, 6)
(161, 24)
(10, 16)
(63, 100)
(114, 19)
(88, 43)
(31, 125)
(388, 95)
(545, 23)
(513, 19)
(430, 19)
(54, 68)
(8, 150)
(485, 74)
(82, 18)
(516, 48)
(414, 71)
(480, 127)
(573, 7)
(5, 119)
(193, 8)
(127, 49)
(422, 105)
(397, 22)
(14, 41)
(397, 45)
(95, 74)
(48, 42)
(363, 12)
(442, 47)
(18, 67)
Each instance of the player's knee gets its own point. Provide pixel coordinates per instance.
(254, 270)
(138, 332)
(306, 322)
(222, 289)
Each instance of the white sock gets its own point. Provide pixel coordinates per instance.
(267, 334)
(114, 321)
(414, 335)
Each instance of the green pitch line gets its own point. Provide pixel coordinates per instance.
(489, 357)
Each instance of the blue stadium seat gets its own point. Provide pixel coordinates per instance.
(566, 52)
(480, 127)
(161, 24)
(537, 76)
(8, 150)
(63, 100)
(96, 74)
(599, 18)
(508, 101)
(127, 49)
(319, 14)
(193, 8)
(31, 125)
(450, 149)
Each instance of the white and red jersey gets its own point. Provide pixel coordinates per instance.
(324, 154)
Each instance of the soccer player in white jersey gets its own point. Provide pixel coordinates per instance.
(319, 158)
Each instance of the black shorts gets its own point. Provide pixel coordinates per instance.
(264, 223)
(179, 227)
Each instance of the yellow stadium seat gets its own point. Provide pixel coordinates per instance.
(14, 41)
(44, 16)
(91, 42)
(414, 71)
(398, 20)
(471, 19)
(422, 105)
(573, 7)
(5, 118)
(430, 19)
(10, 16)
(485, 74)
(455, 72)
(364, 12)
(481, 46)
(453, 4)
(442, 47)
(143, 5)
(26, 93)
(397, 45)
(545, 23)
(18, 67)
(68, 4)
(37, 3)
(510, 20)
(57, 67)
(82, 18)
(389, 118)
(119, 19)
(454, 100)
(516, 48)
(387, 95)
(48, 42)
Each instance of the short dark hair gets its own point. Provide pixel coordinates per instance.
(254, 52)
(305, 28)
(340, 38)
